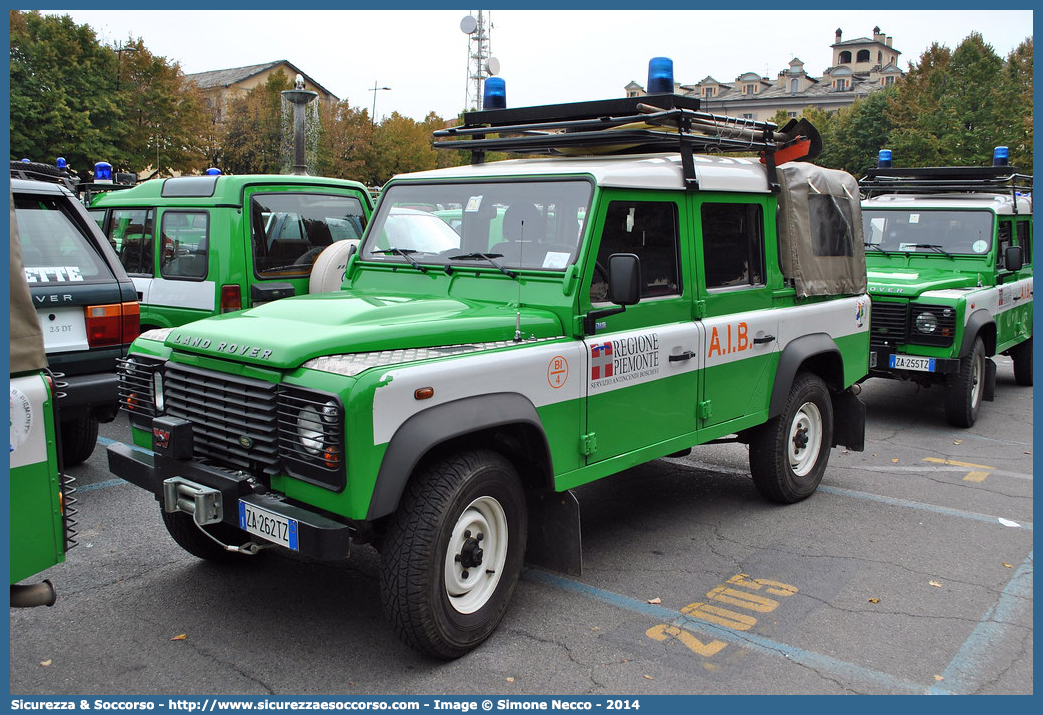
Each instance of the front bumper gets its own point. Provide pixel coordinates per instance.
(318, 536)
(880, 364)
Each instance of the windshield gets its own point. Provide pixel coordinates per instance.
(917, 230)
(531, 224)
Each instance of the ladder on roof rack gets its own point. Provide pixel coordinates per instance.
(631, 125)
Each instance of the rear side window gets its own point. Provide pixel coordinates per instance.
(131, 234)
(288, 231)
(832, 226)
(733, 245)
(185, 243)
(54, 246)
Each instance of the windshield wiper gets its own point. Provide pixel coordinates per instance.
(873, 245)
(404, 252)
(486, 257)
(934, 247)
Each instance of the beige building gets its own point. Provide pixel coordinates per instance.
(860, 66)
(219, 87)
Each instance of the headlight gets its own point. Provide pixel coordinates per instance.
(309, 429)
(926, 323)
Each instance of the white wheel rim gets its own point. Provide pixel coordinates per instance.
(976, 370)
(470, 585)
(805, 439)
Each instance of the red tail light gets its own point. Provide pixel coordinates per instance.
(231, 298)
(112, 324)
(131, 321)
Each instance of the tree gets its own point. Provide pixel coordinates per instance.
(1016, 95)
(251, 143)
(345, 143)
(858, 132)
(165, 115)
(63, 93)
(954, 107)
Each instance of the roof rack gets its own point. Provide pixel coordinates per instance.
(947, 179)
(631, 125)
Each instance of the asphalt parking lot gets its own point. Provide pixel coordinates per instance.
(909, 572)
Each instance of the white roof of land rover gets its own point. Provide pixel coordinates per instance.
(631, 171)
(997, 203)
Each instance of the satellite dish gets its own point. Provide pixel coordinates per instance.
(468, 24)
(493, 66)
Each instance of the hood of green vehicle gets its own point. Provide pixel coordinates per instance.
(911, 282)
(288, 332)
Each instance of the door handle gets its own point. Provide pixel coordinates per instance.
(687, 355)
(765, 339)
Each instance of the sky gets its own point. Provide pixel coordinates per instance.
(545, 56)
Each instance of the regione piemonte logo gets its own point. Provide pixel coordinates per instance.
(601, 361)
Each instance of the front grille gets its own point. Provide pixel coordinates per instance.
(889, 322)
(233, 419)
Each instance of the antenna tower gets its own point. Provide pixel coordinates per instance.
(478, 56)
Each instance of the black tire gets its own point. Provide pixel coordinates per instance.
(184, 530)
(79, 437)
(788, 453)
(1022, 356)
(435, 526)
(963, 389)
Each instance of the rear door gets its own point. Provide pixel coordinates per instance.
(741, 329)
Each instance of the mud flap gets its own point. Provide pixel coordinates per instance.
(554, 532)
(989, 388)
(849, 421)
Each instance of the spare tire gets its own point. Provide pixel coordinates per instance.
(35, 167)
(327, 274)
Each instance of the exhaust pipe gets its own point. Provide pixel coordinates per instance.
(32, 595)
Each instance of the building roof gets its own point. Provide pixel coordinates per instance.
(861, 86)
(228, 77)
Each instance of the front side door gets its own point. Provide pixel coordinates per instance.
(642, 363)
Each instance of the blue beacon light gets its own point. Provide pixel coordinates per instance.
(495, 94)
(213, 171)
(103, 172)
(660, 75)
(61, 163)
(883, 159)
(1001, 156)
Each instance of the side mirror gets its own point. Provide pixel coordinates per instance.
(1013, 258)
(624, 278)
(624, 288)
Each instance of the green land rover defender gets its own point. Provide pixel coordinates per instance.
(508, 331)
(949, 254)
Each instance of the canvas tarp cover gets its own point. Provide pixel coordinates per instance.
(27, 353)
(820, 230)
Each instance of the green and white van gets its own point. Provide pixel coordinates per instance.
(949, 259)
(197, 246)
(591, 312)
(40, 505)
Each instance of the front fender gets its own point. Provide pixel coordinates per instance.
(425, 430)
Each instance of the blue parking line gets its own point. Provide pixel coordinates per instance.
(994, 626)
(816, 661)
(100, 485)
(944, 510)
